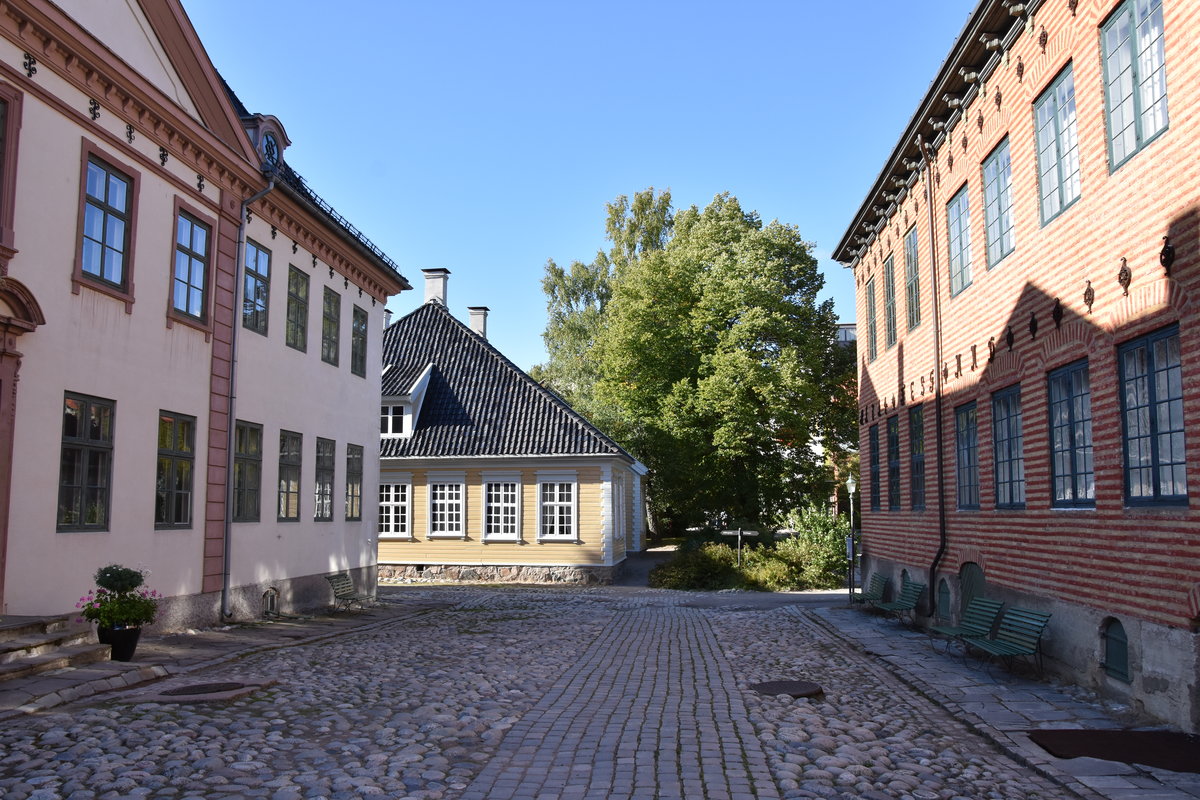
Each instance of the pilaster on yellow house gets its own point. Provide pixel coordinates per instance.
(485, 474)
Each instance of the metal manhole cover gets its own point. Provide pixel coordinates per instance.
(204, 688)
(793, 688)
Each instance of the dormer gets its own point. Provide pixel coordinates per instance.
(398, 414)
(269, 138)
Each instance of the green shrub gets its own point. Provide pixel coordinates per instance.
(818, 550)
(709, 566)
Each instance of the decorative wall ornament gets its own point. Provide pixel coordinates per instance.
(360, 291)
(950, 161)
(199, 182)
(958, 366)
(964, 141)
(978, 123)
(1033, 325)
(129, 133)
(945, 372)
(1166, 256)
(294, 247)
(1057, 313)
(345, 283)
(30, 65)
(162, 156)
(1043, 37)
(997, 98)
(1125, 277)
(249, 216)
(372, 302)
(1020, 69)
(315, 265)
(991, 349)
(94, 108)
(1009, 338)
(922, 384)
(330, 269)
(1089, 296)
(1072, 4)
(274, 231)
(974, 358)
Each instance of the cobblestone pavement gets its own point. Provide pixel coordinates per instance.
(533, 694)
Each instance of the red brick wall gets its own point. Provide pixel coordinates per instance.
(1142, 562)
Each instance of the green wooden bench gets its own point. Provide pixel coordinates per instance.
(344, 593)
(906, 603)
(873, 595)
(1019, 634)
(978, 619)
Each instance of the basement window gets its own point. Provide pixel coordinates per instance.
(1116, 650)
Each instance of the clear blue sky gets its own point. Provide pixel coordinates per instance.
(486, 137)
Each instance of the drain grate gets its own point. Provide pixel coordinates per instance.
(203, 688)
(793, 688)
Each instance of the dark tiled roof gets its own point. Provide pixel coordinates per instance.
(478, 403)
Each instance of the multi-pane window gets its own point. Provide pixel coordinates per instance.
(290, 459)
(331, 316)
(1009, 454)
(873, 436)
(1071, 436)
(446, 509)
(191, 267)
(247, 471)
(500, 509)
(893, 456)
(916, 457)
(557, 510)
(958, 221)
(872, 349)
(108, 199)
(358, 342)
(393, 510)
(296, 334)
(966, 445)
(391, 419)
(889, 301)
(354, 481)
(173, 483)
(85, 468)
(1058, 146)
(1152, 411)
(323, 486)
(997, 204)
(912, 279)
(257, 288)
(1135, 77)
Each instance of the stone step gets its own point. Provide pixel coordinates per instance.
(37, 644)
(76, 655)
(12, 627)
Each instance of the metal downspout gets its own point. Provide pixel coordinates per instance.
(937, 381)
(239, 255)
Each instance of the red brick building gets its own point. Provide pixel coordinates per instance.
(1028, 305)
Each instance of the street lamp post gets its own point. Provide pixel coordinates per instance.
(850, 549)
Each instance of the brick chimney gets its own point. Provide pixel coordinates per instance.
(435, 285)
(479, 319)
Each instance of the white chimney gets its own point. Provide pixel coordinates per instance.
(479, 319)
(387, 317)
(435, 285)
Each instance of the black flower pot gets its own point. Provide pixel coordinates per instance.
(123, 641)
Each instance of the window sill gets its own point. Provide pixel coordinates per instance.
(559, 540)
(501, 539)
(459, 536)
(176, 316)
(396, 538)
(81, 280)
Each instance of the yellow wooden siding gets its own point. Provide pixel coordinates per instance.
(527, 551)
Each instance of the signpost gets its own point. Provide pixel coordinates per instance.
(739, 533)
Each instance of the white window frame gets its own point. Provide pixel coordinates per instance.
(388, 527)
(394, 412)
(491, 479)
(454, 485)
(558, 479)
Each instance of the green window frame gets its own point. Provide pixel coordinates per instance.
(176, 466)
(1072, 470)
(354, 482)
(873, 440)
(1008, 448)
(323, 485)
(1135, 78)
(966, 441)
(1059, 183)
(1152, 429)
(912, 279)
(893, 457)
(189, 294)
(958, 227)
(331, 317)
(257, 287)
(998, 204)
(291, 456)
(358, 342)
(85, 465)
(889, 302)
(872, 347)
(247, 471)
(916, 457)
(296, 333)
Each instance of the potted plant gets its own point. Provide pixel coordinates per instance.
(120, 607)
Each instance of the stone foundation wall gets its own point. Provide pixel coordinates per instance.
(474, 573)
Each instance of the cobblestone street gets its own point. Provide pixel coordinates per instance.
(535, 694)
